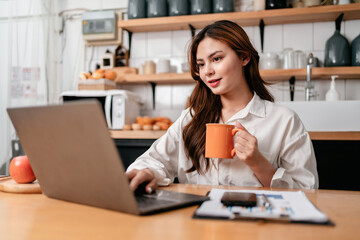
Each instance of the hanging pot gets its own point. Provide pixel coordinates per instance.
(201, 6)
(355, 51)
(136, 9)
(275, 4)
(223, 6)
(157, 8)
(337, 48)
(179, 7)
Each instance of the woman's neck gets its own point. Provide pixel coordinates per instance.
(231, 104)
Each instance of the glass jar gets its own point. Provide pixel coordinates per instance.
(149, 67)
(269, 61)
(288, 58)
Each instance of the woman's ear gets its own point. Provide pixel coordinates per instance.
(245, 59)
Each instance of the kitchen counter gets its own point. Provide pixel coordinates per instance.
(134, 134)
(119, 134)
(349, 136)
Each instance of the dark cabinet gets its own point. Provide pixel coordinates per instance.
(338, 164)
(130, 149)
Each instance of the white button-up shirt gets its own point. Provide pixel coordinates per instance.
(282, 140)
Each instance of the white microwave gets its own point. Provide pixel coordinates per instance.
(120, 106)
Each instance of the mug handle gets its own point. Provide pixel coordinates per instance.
(233, 132)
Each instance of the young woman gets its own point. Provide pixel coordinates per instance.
(272, 150)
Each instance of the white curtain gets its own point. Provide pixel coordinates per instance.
(29, 60)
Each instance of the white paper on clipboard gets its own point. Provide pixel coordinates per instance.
(292, 206)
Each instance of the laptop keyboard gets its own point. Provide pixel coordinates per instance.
(152, 200)
(143, 200)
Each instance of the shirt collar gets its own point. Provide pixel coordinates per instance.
(256, 107)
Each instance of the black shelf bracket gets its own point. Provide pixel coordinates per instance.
(153, 88)
(192, 29)
(292, 87)
(130, 38)
(262, 27)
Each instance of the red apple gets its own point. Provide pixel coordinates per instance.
(20, 170)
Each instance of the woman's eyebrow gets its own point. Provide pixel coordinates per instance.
(210, 56)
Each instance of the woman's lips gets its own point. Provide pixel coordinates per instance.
(214, 83)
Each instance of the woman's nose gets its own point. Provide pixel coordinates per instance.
(209, 70)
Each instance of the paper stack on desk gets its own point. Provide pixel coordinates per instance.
(285, 206)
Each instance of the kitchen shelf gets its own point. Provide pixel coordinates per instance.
(158, 78)
(270, 17)
(273, 75)
(346, 136)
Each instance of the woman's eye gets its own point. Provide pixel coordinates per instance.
(200, 65)
(216, 59)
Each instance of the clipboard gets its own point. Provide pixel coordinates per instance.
(272, 206)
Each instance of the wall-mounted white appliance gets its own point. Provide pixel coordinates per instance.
(99, 25)
(120, 106)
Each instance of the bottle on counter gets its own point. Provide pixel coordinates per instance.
(332, 94)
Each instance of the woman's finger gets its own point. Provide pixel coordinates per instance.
(250, 139)
(241, 155)
(132, 173)
(240, 126)
(152, 185)
(141, 177)
(241, 143)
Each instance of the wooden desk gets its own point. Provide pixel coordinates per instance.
(34, 216)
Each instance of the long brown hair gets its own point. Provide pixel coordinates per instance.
(205, 106)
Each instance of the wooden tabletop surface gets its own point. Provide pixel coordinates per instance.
(34, 216)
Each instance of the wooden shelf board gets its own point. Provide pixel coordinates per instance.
(343, 72)
(158, 78)
(273, 75)
(270, 17)
(353, 136)
(316, 73)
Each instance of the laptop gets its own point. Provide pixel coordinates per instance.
(75, 159)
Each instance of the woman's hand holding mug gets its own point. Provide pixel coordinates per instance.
(246, 146)
(247, 150)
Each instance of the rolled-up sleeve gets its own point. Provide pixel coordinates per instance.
(297, 164)
(162, 156)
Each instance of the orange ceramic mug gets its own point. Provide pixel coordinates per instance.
(219, 141)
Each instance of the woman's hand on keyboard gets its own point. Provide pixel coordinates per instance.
(144, 178)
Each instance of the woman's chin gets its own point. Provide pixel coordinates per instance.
(217, 91)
